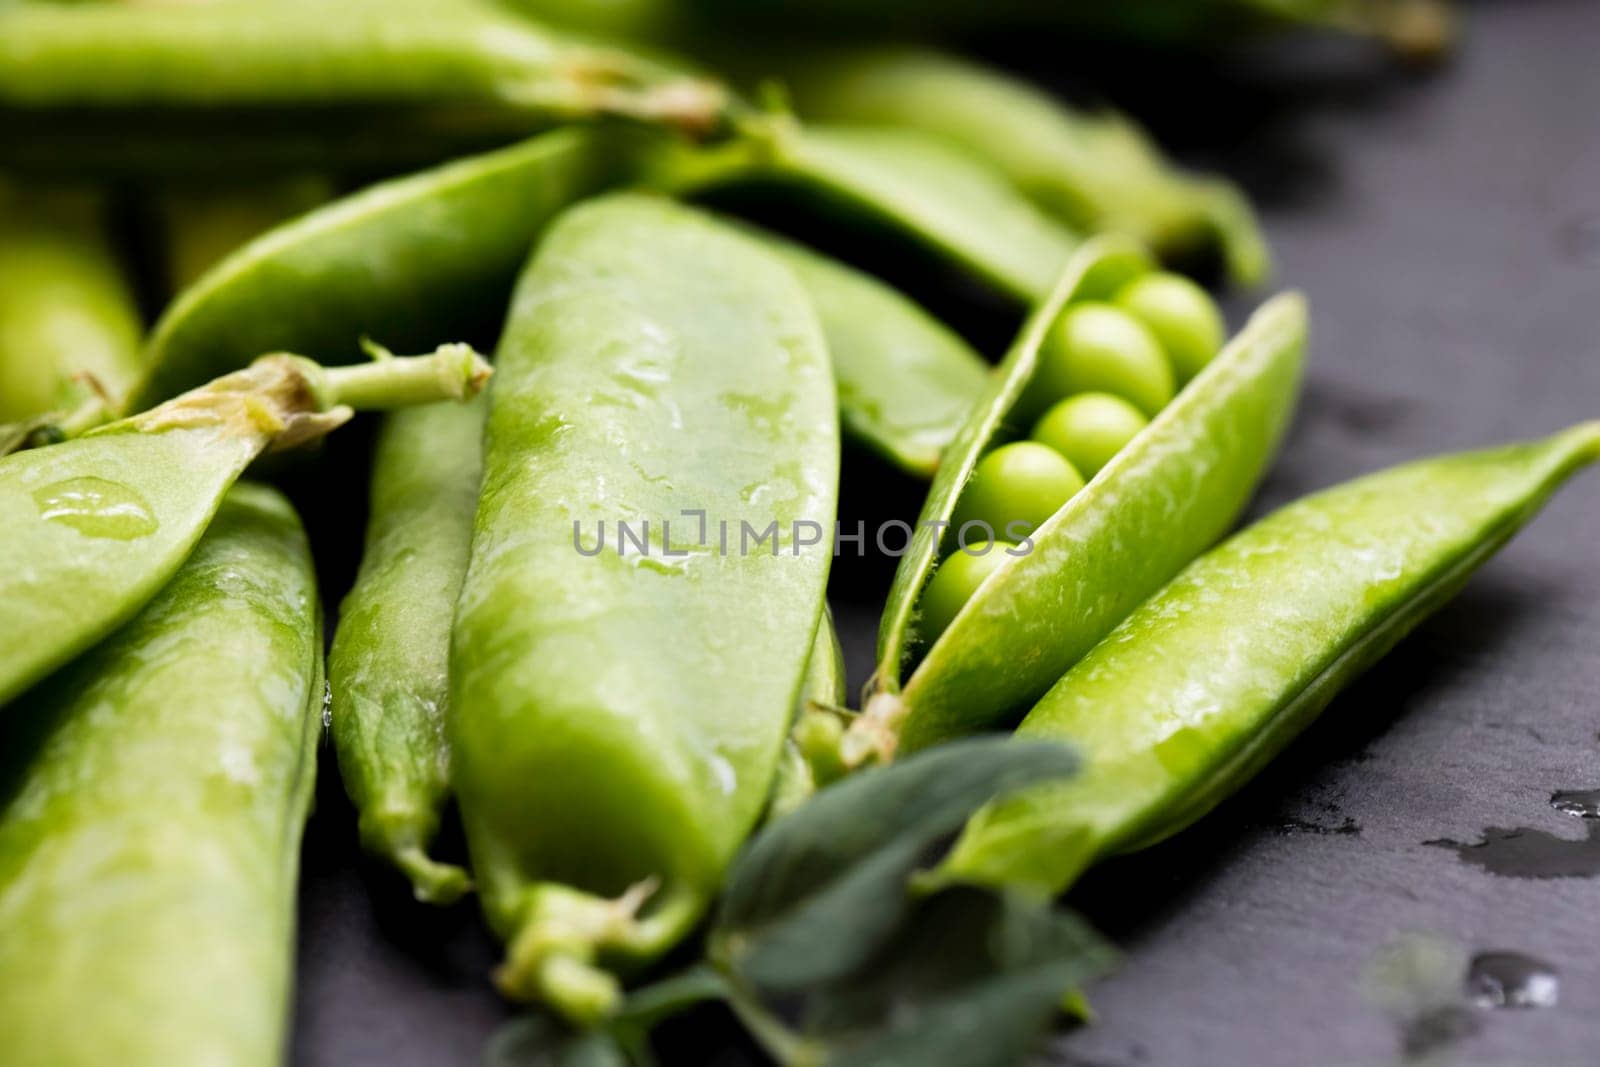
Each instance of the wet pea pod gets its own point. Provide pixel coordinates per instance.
(617, 705)
(1093, 171)
(71, 76)
(388, 669)
(425, 258)
(95, 525)
(156, 791)
(69, 325)
(807, 763)
(1208, 680)
(1012, 626)
(905, 380)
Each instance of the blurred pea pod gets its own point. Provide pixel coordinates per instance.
(1096, 172)
(1208, 680)
(157, 790)
(67, 311)
(235, 83)
(388, 669)
(202, 225)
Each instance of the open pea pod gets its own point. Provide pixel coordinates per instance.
(156, 793)
(96, 525)
(1208, 680)
(1094, 171)
(913, 186)
(648, 565)
(1162, 499)
(319, 85)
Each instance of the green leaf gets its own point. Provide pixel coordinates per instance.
(973, 979)
(817, 893)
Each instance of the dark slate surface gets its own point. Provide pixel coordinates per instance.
(1447, 227)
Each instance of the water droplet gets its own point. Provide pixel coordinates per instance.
(1526, 852)
(96, 507)
(1582, 803)
(327, 706)
(1512, 980)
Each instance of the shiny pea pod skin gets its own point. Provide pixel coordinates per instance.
(234, 62)
(1208, 680)
(96, 525)
(157, 790)
(425, 258)
(1165, 498)
(1096, 172)
(617, 719)
(815, 719)
(388, 668)
(898, 181)
(905, 380)
(66, 306)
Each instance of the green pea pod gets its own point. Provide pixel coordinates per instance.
(906, 381)
(1208, 680)
(202, 226)
(912, 185)
(821, 693)
(66, 308)
(283, 68)
(618, 706)
(96, 525)
(426, 257)
(388, 669)
(157, 793)
(1164, 498)
(1096, 172)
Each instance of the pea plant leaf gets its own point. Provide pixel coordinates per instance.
(818, 892)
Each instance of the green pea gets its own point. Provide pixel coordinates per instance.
(1016, 488)
(388, 666)
(1089, 429)
(156, 794)
(66, 307)
(957, 578)
(1096, 347)
(617, 712)
(1173, 490)
(97, 524)
(1209, 679)
(1182, 316)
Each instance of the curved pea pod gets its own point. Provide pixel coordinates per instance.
(202, 226)
(66, 307)
(95, 525)
(426, 258)
(619, 699)
(157, 793)
(291, 69)
(899, 181)
(1096, 172)
(388, 669)
(1163, 499)
(905, 380)
(1201, 686)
